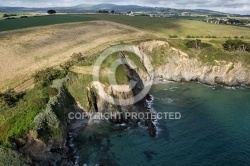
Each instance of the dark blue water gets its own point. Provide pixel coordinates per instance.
(214, 130)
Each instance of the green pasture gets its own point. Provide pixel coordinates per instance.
(179, 26)
(18, 23)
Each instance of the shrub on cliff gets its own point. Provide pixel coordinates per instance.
(9, 98)
(50, 123)
(197, 44)
(173, 36)
(48, 75)
(236, 45)
(75, 58)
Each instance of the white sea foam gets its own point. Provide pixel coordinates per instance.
(123, 124)
(171, 89)
(168, 100)
(152, 110)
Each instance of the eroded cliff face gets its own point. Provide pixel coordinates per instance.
(179, 66)
(119, 111)
(121, 99)
(46, 142)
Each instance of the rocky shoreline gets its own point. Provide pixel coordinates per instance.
(177, 67)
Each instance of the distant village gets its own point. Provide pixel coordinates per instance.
(229, 21)
(213, 19)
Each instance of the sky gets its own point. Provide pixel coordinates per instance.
(229, 6)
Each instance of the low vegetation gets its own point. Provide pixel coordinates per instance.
(173, 36)
(11, 157)
(159, 55)
(16, 120)
(208, 36)
(77, 86)
(18, 112)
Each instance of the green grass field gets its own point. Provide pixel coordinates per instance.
(177, 26)
(18, 23)
(180, 26)
(77, 86)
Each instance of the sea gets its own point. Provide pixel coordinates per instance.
(214, 129)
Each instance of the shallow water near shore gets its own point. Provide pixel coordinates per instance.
(214, 129)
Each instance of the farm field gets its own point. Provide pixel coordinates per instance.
(30, 44)
(182, 27)
(18, 23)
(27, 50)
(186, 29)
(177, 26)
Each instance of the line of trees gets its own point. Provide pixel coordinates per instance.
(9, 15)
(102, 11)
(106, 11)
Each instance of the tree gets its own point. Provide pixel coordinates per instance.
(51, 12)
(5, 15)
(112, 11)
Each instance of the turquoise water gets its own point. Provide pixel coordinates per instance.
(214, 130)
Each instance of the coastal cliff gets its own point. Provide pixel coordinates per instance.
(175, 65)
(46, 143)
(181, 67)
